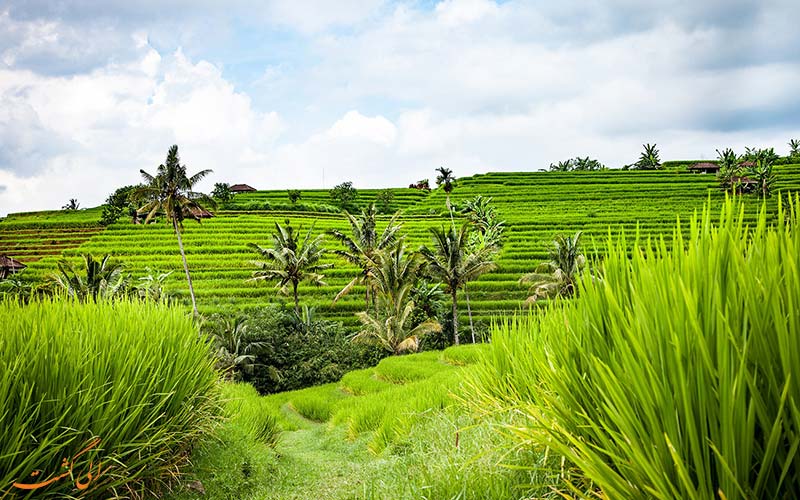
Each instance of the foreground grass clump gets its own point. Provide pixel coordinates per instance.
(676, 374)
(104, 399)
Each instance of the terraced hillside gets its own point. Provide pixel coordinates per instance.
(536, 206)
(29, 237)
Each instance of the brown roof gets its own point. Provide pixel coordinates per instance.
(238, 188)
(747, 164)
(743, 180)
(7, 262)
(200, 213)
(704, 165)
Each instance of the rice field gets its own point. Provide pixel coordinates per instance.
(535, 205)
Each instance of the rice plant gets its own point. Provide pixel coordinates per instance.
(99, 399)
(675, 375)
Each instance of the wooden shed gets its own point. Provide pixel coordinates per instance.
(9, 266)
(241, 188)
(704, 167)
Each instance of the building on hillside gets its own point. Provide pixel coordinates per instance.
(241, 188)
(744, 184)
(9, 266)
(199, 213)
(704, 167)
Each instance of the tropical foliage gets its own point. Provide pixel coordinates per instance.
(170, 192)
(291, 261)
(577, 164)
(558, 276)
(103, 279)
(649, 159)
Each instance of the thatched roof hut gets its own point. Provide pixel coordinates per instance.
(704, 167)
(9, 266)
(241, 188)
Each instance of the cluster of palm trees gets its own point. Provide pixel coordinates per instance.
(751, 171)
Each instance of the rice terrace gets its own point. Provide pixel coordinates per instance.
(308, 251)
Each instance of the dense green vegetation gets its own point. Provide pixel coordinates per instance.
(676, 374)
(536, 207)
(103, 398)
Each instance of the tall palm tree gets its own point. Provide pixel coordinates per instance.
(729, 168)
(361, 244)
(170, 192)
(557, 277)
(99, 279)
(291, 261)
(446, 180)
(450, 262)
(394, 275)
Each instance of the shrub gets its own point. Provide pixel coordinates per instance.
(676, 374)
(127, 381)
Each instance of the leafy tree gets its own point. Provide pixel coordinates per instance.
(557, 277)
(294, 195)
(577, 164)
(729, 168)
(452, 264)
(649, 159)
(291, 261)
(222, 192)
(794, 148)
(763, 173)
(423, 184)
(384, 201)
(362, 242)
(72, 204)
(101, 279)
(170, 192)
(344, 195)
(394, 275)
(117, 204)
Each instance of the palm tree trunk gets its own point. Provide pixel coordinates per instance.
(455, 316)
(296, 299)
(185, 267)
(469, 311)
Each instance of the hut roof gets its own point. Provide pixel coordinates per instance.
(7, 262)
(743, 180)
(200, 213)
(747, 163)
(704, 165)
(240, 188)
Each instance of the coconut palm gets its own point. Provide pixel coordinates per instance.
(794, 148)
(394, 275)
(361, 244)
(649, 159)
(446, 180)
(101, 279)
(291, 261)
(451, 263)
(170, 192)
(557, 277)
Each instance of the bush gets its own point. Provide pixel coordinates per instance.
(676, 374)
(296, 353)
(129, 382)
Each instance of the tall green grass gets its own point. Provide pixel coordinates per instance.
(675, 374)
(133, 376)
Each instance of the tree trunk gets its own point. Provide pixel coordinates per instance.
(469, 312)
(186, 267)
(455, 316)
(296, 299)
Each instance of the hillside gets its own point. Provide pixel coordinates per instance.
(536, 206)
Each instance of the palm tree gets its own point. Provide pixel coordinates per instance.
(72, 204)
(362, 243)
(394, 275)
(236, 348)
(451, 263)
(649, 159)
(290, 261)
(446, 180)
(762, 172)
(101, 279)
(170, 192)
(557, 277)
(794, 148)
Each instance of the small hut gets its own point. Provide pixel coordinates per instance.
(200, 213)
(9, 266)
(704, 167)
(744, 184)
(241, 188)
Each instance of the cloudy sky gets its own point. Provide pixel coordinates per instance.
(310, 93)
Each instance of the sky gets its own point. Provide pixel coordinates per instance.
(310, 93)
